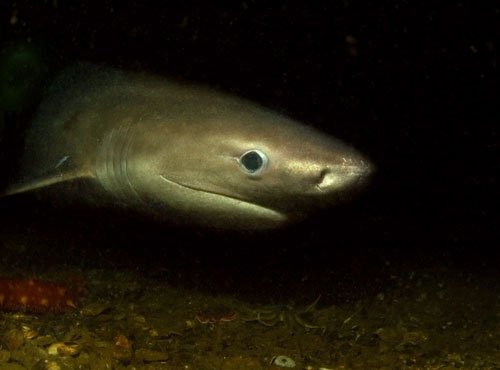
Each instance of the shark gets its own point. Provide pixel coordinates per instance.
(182, 152)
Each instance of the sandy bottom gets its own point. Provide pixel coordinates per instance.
(428, 320)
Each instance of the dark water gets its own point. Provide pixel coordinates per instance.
(411, 86)
(414, 86)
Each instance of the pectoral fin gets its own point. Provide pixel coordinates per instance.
(41, 183)
(64, 170)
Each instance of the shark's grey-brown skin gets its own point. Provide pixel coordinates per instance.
(182, 152)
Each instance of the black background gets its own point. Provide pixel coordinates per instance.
(412, 85)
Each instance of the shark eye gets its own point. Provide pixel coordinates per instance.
(253, 162)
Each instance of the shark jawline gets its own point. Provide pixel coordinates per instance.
(275, 213)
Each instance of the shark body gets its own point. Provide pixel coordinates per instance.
(182, 152)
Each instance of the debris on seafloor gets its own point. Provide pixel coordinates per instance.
(215, 318)
(287, 314)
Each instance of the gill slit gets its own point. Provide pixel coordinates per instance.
(123, 152)
(113, 170)
(124, 159)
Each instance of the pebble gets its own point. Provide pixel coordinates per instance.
(283, 361)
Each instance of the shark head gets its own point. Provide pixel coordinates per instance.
(229, 163)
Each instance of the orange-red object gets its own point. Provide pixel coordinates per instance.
(35, 296)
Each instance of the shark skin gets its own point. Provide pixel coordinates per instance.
(182, 152)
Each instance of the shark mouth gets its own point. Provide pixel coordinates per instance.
(235, 201)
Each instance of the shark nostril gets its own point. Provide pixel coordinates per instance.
(322, 175)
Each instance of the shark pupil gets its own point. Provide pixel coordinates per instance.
(252, 161)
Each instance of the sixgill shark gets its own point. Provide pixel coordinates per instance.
(182, 152)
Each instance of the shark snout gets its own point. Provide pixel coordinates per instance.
(350, 172)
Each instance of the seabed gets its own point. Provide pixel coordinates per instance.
(128, 321)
